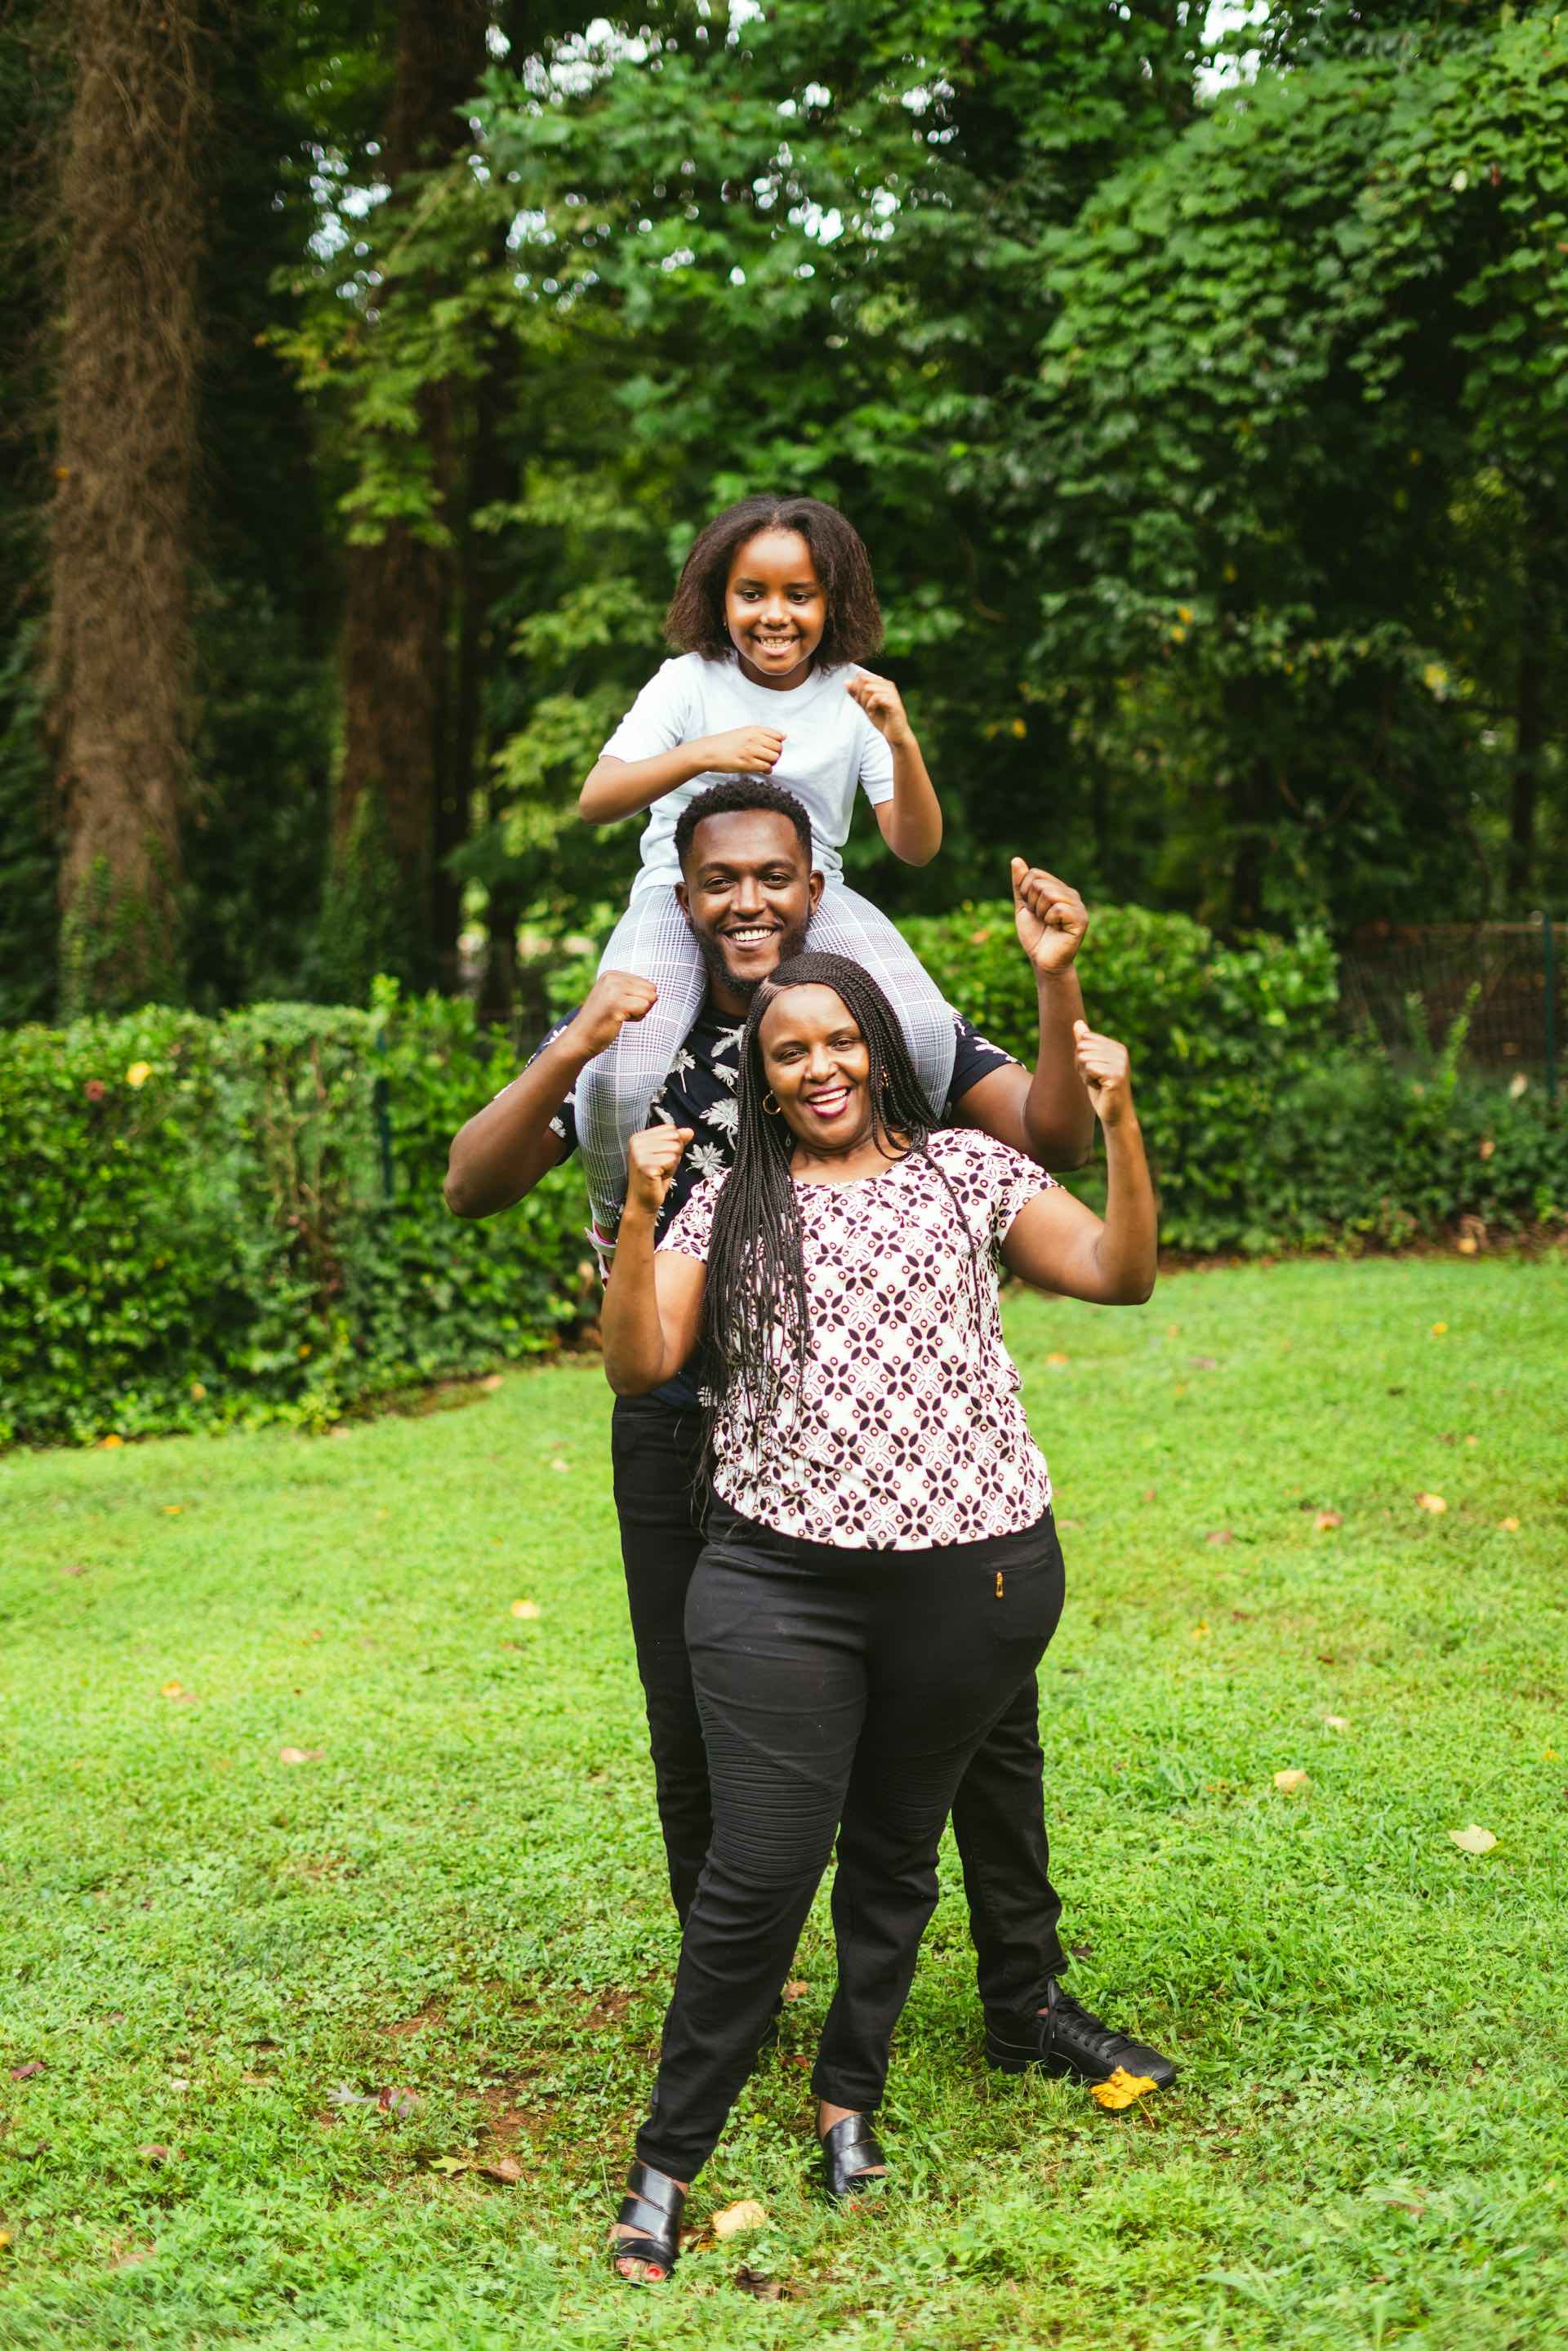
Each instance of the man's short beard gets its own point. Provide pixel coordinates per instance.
(711, 947)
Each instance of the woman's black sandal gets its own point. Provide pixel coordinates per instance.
(849, 2153)
(654, 2208)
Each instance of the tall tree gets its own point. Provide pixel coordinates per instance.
(32, 101)
(381, 911)
(131, 202)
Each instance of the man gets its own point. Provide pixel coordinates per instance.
(747, 891)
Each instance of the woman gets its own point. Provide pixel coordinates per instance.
(882, 1569)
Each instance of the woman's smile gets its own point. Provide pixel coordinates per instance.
(818, 1068)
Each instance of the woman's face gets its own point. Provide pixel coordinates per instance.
(819, 1067)
(775, 607)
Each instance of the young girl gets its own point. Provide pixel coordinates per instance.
(773, 611)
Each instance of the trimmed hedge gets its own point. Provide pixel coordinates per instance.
(209, 1222)
(1266, 1130)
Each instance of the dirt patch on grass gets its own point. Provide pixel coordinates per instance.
(516, 2121)
(608, 2012)
(431, 2013)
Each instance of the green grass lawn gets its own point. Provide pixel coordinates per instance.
(219, 1959)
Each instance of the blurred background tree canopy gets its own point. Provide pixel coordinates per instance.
(1197, 376)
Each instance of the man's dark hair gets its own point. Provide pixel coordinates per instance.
(738, 798)
(756, 1323)
(694, 622)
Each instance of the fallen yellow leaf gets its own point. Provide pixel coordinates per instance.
(1438, 1329)
(1509, 1526)
(1056, 1362)
(173, 1690)
(491, 1382)
(1288, 1781)
(1327, 1518)
(737, 2216)
(1432, 1502)
(796, 1989)
(300, 1754)
(1199, 1631)
(1121, 2089)
(172, 1510)
(138, 1073)
(526, 1609)
(1550, 1755)
(449, 2164)
(1335, 1722)
(1473, 1839)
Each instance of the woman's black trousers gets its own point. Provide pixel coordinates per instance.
(840, 1691)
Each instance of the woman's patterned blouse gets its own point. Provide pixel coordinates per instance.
(906, 1430)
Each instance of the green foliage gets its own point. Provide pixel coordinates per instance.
(1359, 1151)
(1292, 357)
(1210, 447)
(221, 1221)
(1265, 1130)
(224, 1221)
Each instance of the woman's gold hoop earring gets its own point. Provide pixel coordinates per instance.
(771, 1105)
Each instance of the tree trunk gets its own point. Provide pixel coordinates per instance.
(119, 542)
(401, 590)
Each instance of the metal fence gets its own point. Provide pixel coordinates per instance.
(1411, 982)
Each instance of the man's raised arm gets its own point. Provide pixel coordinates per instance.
(1045, 1112)
(505, 1148)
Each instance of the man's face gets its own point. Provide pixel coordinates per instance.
(749, 893)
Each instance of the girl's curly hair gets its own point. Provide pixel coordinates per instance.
(694, 622)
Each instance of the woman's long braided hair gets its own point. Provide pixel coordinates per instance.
(757, 1330)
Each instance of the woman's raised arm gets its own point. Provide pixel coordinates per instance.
(654, 1303)
(1055, 1242)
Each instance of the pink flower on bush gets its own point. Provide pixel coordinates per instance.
(95, 1090)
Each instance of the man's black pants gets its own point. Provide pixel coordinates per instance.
(998, 1814)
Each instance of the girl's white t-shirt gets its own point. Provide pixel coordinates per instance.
(830, 747)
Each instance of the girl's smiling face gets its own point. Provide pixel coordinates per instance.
(775, 607)
(818, 1065)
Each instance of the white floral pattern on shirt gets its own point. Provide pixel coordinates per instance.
(907, 1430)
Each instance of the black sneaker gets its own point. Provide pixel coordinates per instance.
(1065, 2038)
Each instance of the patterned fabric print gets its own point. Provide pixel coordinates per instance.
(906, 1430)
